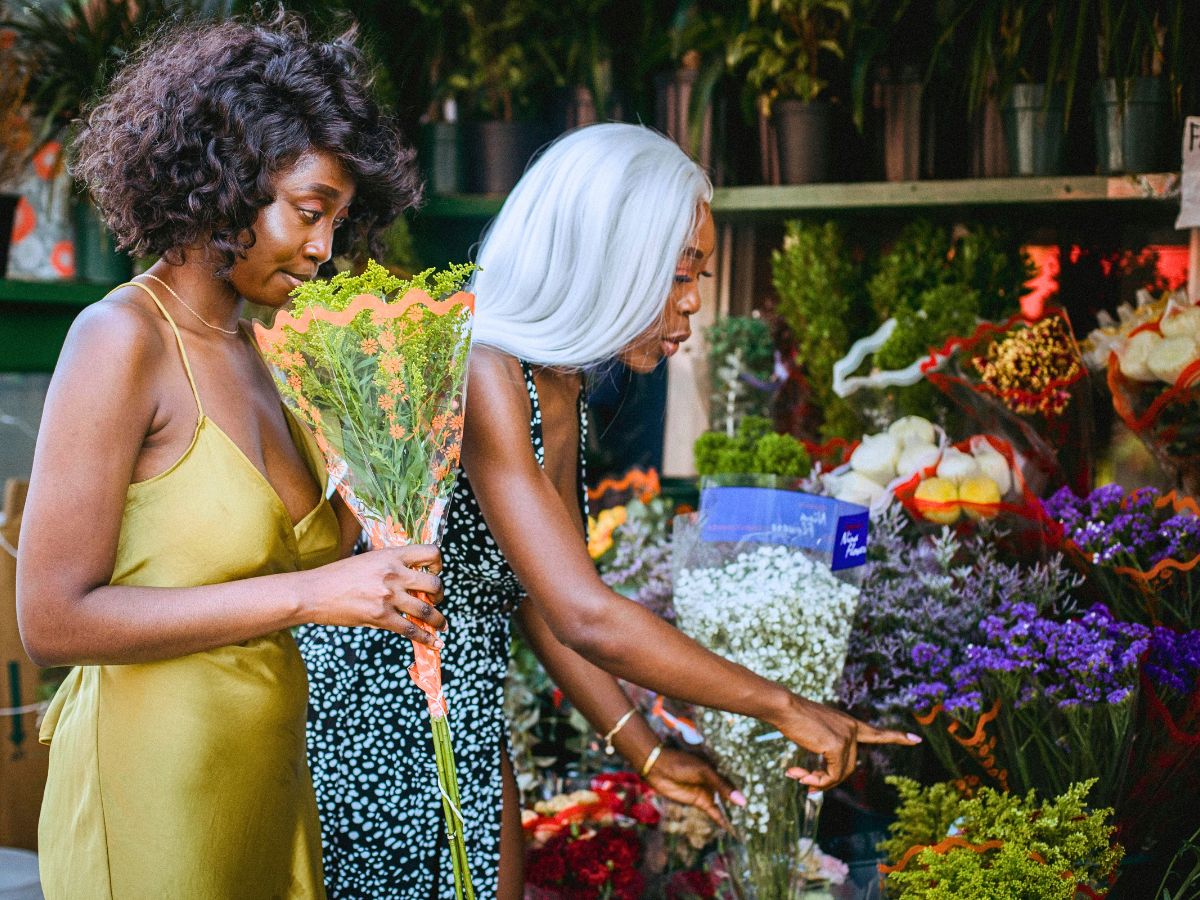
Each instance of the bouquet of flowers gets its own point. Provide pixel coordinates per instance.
(1154, 376)
(1035, 703)
(755, 582)
(377, 367)
(1024, 380)
(1164, 792)
(1141, 548)
(932, 589)
(588, 843)
(993, 844)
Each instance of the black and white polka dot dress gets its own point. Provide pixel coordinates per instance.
(369, 742)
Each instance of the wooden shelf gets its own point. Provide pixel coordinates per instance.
(782, 200)
(51, 293)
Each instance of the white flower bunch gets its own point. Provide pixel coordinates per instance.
(784, 615)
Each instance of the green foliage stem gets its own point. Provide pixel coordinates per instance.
(1041, 844)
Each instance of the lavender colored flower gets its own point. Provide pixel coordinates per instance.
(1173, 660)
(1119, 529)
(922, 602)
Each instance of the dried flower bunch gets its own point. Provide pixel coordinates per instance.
(1029, 368)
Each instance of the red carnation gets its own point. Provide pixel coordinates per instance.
(593, 872)
(546, 868)
(645, 812)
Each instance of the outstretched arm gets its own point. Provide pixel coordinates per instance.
(541, 541)
(600, 699)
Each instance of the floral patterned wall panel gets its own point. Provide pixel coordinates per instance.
(43, 244)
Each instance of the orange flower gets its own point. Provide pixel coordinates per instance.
(397, 431)
(387, 340)
(391, 364)
(386, 402)
(293, 381)
(369, 346)
(396, 386)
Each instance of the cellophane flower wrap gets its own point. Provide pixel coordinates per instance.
(766, 578)
(1141, 548)
(1154, 377)
(1026, 381)
(377, 368)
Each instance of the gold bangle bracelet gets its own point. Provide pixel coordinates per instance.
(652, 759)
(609, 749)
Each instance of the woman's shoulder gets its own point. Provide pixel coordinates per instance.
(117, 333)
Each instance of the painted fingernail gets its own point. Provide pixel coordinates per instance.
(798, 774)
(439, 644)
(915, 738)
(738, 798)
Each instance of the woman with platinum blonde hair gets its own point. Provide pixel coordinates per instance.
(595, 257)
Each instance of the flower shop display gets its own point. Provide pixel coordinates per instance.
(742, 370)
(1024, 380)
(1154, 376)
(908, 445)
(587, 843)
(377, 368)
(1163, 791)
(1035, 703)
(996, 846)
(920, 590)
(754, 449)
(756, 580)
(1142, 549)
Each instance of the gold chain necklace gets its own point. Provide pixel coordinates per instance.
(189, 308)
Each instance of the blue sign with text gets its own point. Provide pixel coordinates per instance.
(770, 516)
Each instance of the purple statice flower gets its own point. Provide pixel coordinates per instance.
(641, 565)
(1025, 658)
(923, 598)
(1173, 660)
(1118, 529)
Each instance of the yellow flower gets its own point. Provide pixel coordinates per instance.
(601, 528)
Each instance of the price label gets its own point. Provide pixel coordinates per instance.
(1189, 206)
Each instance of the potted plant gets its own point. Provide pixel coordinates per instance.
(790, 47)
(688, 95)
(1132, 93)
(499, 81)
(15, 137)
(1025, 55)
(74, 47)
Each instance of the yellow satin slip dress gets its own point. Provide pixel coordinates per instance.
(187, 778)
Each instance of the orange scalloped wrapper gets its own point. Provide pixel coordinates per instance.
(381, 310)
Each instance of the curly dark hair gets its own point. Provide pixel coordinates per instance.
(185, 145)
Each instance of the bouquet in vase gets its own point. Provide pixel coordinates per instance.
(377, 368)
(757, 582)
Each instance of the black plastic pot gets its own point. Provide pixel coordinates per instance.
(442, 158)
(498, 152)
(96, 257)
(8, 209)
(1035, 130)
(803, 131)
(1129, 128)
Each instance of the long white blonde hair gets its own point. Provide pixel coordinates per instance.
(581, 257)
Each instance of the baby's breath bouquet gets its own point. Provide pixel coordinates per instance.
(377, 367)
(761, 578)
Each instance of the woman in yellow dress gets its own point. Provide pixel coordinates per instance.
(178, 523)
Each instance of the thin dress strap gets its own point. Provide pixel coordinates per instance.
(535, 413)
(178, 339)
